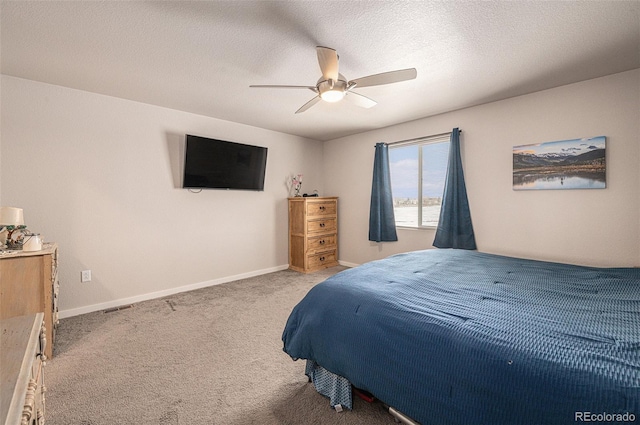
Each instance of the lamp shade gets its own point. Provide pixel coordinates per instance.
(10, 216)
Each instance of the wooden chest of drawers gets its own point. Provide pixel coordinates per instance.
(313, 233)
(30, 284)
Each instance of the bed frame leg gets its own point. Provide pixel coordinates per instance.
(399, 417)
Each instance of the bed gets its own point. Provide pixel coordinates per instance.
(463, 337)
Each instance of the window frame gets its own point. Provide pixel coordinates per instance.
(421, 142)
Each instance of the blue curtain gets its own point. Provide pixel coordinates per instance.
(454, 227)
(382, 223)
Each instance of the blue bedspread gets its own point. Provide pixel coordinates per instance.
(462, 337)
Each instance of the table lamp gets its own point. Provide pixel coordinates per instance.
(11, 219)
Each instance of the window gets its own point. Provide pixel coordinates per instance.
(418, 173)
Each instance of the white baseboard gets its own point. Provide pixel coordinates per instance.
(152, 295)
(347, 264)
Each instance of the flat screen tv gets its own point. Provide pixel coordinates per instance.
(219, 164)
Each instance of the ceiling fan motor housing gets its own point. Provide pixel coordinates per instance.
(332, 90)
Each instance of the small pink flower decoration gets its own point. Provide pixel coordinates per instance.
(296, 184)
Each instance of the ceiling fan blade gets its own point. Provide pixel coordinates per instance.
(360, 100)
(328, 60)
(312, 88)
(386, 78)
(308, 105)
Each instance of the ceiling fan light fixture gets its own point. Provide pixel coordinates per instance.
(332, 90)
(332, 96)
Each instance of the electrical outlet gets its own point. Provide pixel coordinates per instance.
(85, 276)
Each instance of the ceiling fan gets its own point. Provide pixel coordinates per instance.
(333, 86)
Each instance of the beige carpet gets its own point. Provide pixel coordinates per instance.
(211, 356)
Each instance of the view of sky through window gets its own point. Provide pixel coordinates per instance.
(405, 163)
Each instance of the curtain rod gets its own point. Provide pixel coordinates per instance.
(433, 136)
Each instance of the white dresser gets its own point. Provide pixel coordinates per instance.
(22, 361)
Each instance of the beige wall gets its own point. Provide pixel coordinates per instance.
(101, 176)
(593, 227)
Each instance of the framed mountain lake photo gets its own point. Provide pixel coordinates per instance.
(565, 164)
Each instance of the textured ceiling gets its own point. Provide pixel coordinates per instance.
(202, 56)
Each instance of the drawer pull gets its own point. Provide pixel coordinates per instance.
(321, 224)
(322, 208)
(321, 258)
(321, 242)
